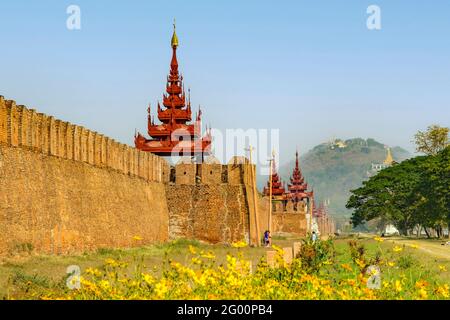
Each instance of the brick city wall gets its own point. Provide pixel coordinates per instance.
(211, 202)
(211, 213)
(287, 219)
(289, 222)
(64, 188)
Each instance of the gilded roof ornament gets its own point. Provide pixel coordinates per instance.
(174, 36)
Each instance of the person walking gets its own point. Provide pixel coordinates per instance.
(267, 238)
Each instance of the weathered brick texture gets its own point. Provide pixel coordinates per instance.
(211, 213)
(63, 206)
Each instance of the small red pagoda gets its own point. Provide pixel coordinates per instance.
(296, 191)
(318, 211)
(298, 187)
(278, 190)
(175, 136)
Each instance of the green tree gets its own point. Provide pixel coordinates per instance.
(416, 191)
(388, 195)
(432, 141)
(435, 186)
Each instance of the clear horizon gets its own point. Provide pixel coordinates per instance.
(312, 70)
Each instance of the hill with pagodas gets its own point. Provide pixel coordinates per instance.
(334, 168)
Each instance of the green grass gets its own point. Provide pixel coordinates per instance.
(411, 262)
(21, 275)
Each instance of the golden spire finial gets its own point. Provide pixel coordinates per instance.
(174, 36)
(389, 160)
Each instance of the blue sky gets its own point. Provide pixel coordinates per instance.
(310, 68)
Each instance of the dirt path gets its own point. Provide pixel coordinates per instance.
(431, 247)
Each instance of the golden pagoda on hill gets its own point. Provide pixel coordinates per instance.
(389, 160)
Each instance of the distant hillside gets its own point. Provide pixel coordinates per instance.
(333, 169)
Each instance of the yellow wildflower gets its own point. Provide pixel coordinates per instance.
(324, 282)
(360, 263)
(277, 249)
(378, 239)
(240, 244)
(192, 250)
(111, 262)
(94, 272)
(391, 264)
(346, 267)
(208, 255)
(305, 278)
(104, 284)
(137, 238)
(161, 289)
(414, 246)
(344, 294)
(351, 282)
(327, 290)
(421, 284)
(148, 278)
(398, 286)
(423, 293)
(397, 249)
(443, 291)
(232, 261)
(442, 268)
(370, 295)
(362, 278)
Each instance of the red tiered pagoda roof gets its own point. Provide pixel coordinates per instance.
(174, 136)
(317, 211)
(320, 211)
(277, 185)
(298, 187)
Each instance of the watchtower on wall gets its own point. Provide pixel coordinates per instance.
(289, 207)
(289, 219)
(175, 135)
